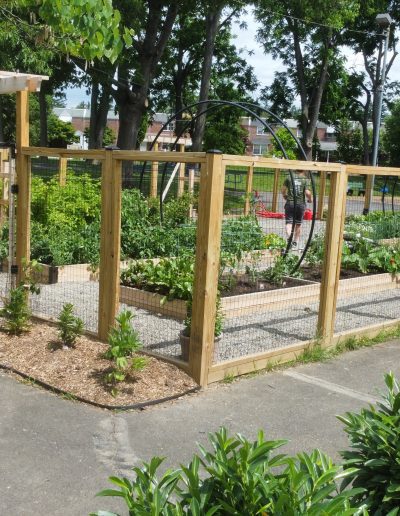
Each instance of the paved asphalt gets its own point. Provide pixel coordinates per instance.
(56, 454)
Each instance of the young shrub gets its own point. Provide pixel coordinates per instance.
(237, 477)
(16, 311)
(124, 342)
(374, 457)
(70, 327)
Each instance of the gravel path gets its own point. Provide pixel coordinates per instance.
(242, 335)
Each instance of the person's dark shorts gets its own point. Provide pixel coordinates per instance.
(294, 212)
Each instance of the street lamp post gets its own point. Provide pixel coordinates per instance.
(384, 21)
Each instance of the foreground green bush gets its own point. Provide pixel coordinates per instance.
(237, 477)
(374, 458)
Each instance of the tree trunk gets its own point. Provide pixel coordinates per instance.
(43, 116)
(365, 136)
(212, 22)
(99, 105)
(94, 98)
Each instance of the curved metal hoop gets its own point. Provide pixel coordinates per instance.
(250, 109)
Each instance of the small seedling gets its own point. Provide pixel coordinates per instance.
(16, 311)
(70, 327)
(124, 342)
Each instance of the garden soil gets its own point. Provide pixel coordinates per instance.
(80, 371)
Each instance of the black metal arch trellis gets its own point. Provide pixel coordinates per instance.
(252, 110)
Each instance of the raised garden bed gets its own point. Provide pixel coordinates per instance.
(267, 297)
(51, 274)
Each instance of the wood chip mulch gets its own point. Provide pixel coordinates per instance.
(80, 371)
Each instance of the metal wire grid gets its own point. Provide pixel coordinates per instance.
(65, 237)
(368, 291)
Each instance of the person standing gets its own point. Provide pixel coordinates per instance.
(296, 193)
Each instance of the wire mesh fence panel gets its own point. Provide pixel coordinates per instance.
(65, 238)
(368, 288)
(267, 301)
(45, 167)
(158, 260)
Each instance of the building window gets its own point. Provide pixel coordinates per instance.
(260, 129)
(259, 150)
(299, 133)
(169, 127)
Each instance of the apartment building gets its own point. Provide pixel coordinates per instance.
(258, 144)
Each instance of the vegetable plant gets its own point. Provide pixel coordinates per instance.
(69, 326)
(281, 269)
(274, 241)
(172, 277)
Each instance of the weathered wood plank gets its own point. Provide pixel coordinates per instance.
(110, 244)
(206, 266)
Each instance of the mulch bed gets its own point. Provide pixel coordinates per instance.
(80, 371)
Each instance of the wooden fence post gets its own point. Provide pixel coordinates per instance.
(249, 187)
(62, 171)
(154, 175)
(275, 191)
(110, 243)
(24, 184)
(321, 195)
(332, 256)
(181, 173)
(205, 288)
(368, 192)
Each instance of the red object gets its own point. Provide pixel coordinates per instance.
(270, 214)
(308, 215)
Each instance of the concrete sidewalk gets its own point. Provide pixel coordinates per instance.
(57, 454)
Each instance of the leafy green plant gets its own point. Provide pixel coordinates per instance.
(171, 277)
(374, 457)
(274, 241)
(241, 235)
(176, 211)
(70, 327)
(281, 269)
(16, 311)
(124, 342)
(315, 253)
(237, 477)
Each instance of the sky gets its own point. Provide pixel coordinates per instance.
(264, 66)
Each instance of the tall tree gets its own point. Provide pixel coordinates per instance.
(178, 81)
(349, 142)
(364, 37)
(213, 23)
(152, 22)
(279, 97)
(23, 47)
(305, 36)
(391, 135)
